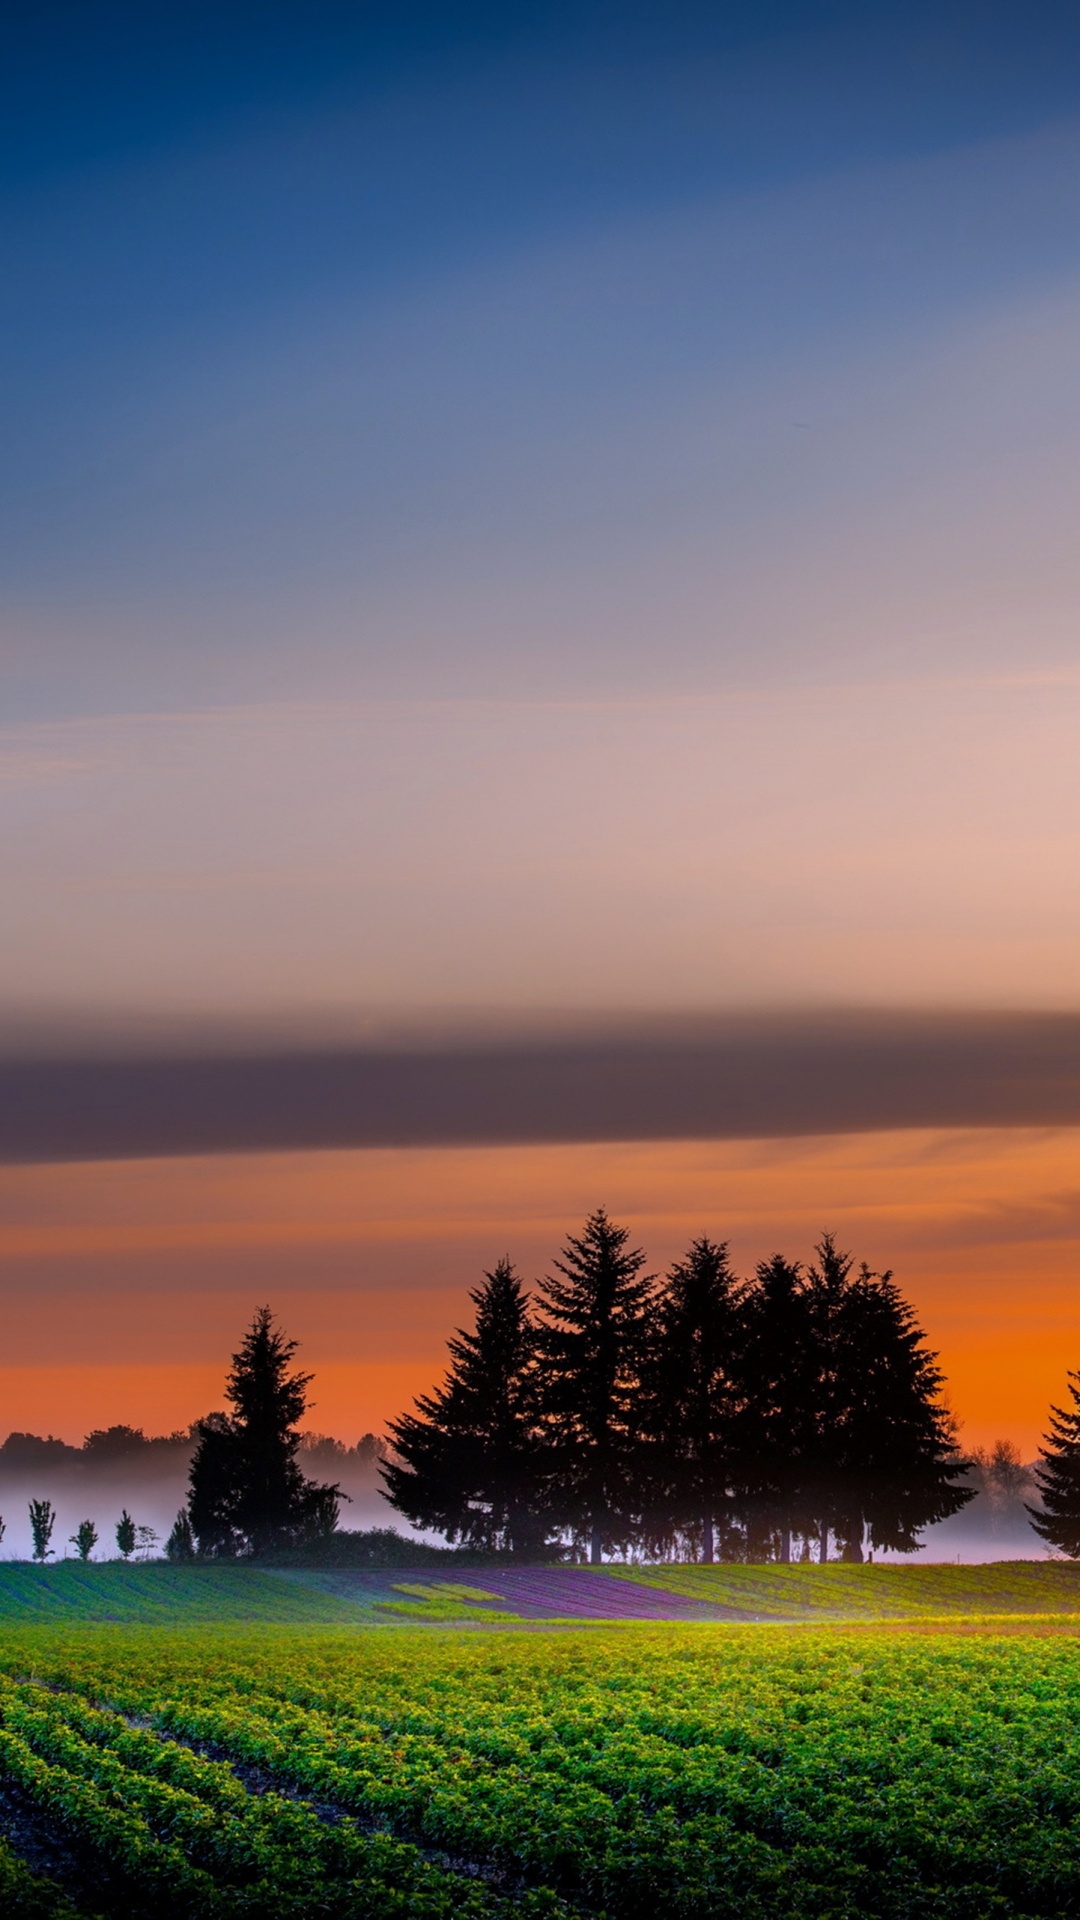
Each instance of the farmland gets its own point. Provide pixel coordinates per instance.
(714, 1770)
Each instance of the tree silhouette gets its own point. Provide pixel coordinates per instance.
(42, 1522)
(466, 1460)
(592, 1345)
(778, 1423)
(692, 1393)
(180, 1544)
(84, 1539)
(125, 1534)
(893, 1454)
(247, 1493)
(1058, 1477)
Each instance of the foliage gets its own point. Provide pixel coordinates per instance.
(27, 1896)
(690, 1400)
(248, 1494)
(1058, 1477)
(465, 1462)
(180, 1544)
(708, 1773)
(126, 1535)
(84, 1539)
(42, 1522)
(695, 1415)
(592, 1343)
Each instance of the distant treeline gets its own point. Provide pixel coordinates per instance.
(106, 1446)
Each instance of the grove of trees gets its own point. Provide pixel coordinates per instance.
(694, 1416)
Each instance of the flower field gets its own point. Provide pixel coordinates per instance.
(708, 1771)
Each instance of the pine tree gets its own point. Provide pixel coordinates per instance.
(1058, 1477)
(247, 1493)
(125, 1534)
(592, 1344)
(466, 1459)
(692, 1394)
(891, 1455)
(777, 1427)
(180, 1544)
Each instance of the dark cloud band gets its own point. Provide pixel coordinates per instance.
(716, 1079)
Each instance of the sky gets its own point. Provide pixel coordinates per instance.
(550, 522)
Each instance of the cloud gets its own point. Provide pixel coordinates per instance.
(778, 1075)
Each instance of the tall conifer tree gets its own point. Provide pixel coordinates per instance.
(778, 1425)
(692, 1396)
(885, 1463)
(592, 1346)
(247, 1493)
(467, 1462)
(1058, 1477)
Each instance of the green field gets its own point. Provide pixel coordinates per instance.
(874, 1592)
(160, 1594)
(708, 1771)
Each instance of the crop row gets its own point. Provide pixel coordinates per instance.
(165, 1831)
(757, 1774)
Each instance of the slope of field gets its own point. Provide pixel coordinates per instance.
(708, 1772)
(163, 1594)
(157, 1593)
(870, 1592)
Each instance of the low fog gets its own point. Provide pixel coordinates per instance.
(120, 1468)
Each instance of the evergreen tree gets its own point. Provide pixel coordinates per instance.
(691, 1401)
(466, 1460)
(180, 1544)
(886, 1461)
(592, 1346)
(1058, 1477)
(125, 1534)
(778, 1421)
(247, 1493)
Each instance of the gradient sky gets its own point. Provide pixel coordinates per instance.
(512, 514)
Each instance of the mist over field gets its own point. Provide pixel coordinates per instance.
(151, 1482)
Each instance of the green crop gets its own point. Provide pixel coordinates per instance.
(710, 1772)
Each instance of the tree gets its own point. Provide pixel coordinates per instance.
(42, 1522)
(778, 1425)
(180, 1544)
(592, 1345)
(1058, 1477)
(84, 1539)
(125, 1534)
(466, 1459)
(691, 1397)
(886, 1461)
(248, 1494)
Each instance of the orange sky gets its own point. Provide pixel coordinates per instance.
(126, 1284)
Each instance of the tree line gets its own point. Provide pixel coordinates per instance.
(698, 1415)
(795, 1414)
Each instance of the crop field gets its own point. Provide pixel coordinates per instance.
(705, 1771)
(221, 1594)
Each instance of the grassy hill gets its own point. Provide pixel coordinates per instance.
(156, 1593)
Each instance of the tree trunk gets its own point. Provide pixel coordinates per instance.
(707, 1540)
(824, 1548)
(595, 1545)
